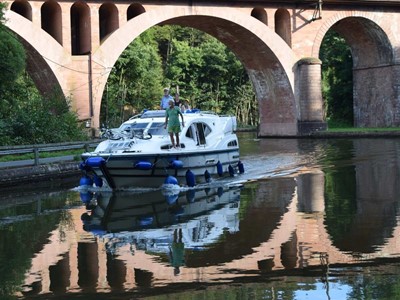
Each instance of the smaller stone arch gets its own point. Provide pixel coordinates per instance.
(329, 23)
(260, 14)
(51, 19)
(283, 25)
(108, 20)
(80, 28)
(375, 91)
(22, 8)
(369, 43)
(134, 10)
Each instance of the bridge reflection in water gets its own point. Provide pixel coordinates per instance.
(129, 237)
(309, 219)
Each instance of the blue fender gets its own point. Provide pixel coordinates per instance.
(190, 178)
(176, 164)
(171, 180)
(220, 171)
(86, 181)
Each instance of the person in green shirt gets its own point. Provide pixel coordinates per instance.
(172, 120)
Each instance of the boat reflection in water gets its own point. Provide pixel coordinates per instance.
(162, 221)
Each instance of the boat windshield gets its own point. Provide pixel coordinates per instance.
(133, 126)
(157, 128)
(153, 128)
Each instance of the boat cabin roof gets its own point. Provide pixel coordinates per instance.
(152, 122)
(161, 113)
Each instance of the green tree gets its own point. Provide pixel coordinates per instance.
(12, 58)
(337, 78)
(31, 119)
(3, 6)
(184, 68)
(135, 81)
(207, 73)
(214, 75)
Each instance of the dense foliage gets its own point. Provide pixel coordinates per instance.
(337, 78)
(26, 117)
(193, 64)
(12, 57)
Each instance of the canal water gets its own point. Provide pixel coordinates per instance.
(308, 219)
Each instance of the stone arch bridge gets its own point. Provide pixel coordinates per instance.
(73, 45)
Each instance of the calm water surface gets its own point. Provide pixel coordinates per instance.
(309, 219)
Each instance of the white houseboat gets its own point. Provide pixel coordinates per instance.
(139, 153)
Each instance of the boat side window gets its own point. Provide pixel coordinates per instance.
(201, 137)
(207, 129)
(232, 143)
(189, 132)
(198, 132)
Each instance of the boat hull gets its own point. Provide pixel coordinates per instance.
(146, 170)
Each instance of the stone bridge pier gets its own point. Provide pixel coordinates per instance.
(73, 45)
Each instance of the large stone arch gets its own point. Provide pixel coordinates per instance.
(375, 92)
(45, 56)
(267, 58)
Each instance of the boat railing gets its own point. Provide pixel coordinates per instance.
(135, 117)
(161, 113)
(205, 112)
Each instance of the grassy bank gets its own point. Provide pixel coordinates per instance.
(353, 129)
(339, 126)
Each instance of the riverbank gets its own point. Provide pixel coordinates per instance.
(345, 133)
(355, 134)
(57, 171)
(38, 174)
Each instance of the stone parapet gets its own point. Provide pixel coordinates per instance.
(46, 172)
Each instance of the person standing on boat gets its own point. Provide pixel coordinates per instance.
(165, 99)
(185, 105)
(172, 121)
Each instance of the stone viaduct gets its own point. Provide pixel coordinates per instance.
(73, 45)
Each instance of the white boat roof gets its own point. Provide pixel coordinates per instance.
(193, 115)
(151, 114)
(151, 124)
